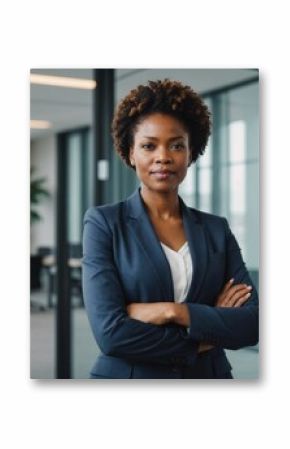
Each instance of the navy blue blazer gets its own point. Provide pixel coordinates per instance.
(123, 262)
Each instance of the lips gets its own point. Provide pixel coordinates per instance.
(162, 175)
(162, 172)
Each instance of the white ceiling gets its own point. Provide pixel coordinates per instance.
(68, 108)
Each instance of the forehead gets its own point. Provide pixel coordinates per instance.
(158, 124)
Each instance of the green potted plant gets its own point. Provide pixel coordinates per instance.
(38, 192)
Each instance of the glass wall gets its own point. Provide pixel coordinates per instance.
(225, 180)
(80, 181)
(79, 198)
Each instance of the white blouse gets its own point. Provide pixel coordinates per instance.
(181, 270)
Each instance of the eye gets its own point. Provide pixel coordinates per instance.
(148, 146)
(177, 146)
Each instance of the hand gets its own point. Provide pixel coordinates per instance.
(204, 347)
(153, 312)
(233, 295)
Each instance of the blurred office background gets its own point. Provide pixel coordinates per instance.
(74, 167)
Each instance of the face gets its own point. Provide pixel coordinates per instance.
(160, 152)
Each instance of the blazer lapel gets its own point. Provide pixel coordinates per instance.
(143, 231)
(198, 248)
(148, 241)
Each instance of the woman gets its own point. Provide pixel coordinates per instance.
(165, 286)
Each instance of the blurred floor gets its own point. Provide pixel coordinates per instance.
(245, 362)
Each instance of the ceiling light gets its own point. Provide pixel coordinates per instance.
(39, 124)
(62, 81)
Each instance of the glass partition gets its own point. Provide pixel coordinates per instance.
(225, 180)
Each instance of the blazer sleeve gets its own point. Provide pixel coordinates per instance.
(231, 328)
(115, 332)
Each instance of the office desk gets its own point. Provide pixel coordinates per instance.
(49, 264)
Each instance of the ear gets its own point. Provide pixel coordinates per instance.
(131, 157)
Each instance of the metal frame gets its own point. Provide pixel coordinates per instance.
(102, 115)
(103, 108)
(63, 308)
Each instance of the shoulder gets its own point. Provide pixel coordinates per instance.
(107, 213)
(209, 220)
(215, 228)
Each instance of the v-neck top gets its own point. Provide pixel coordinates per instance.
(181, 270)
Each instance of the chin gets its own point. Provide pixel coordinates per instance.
(161, 187)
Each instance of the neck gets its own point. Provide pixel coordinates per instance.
(161, 205)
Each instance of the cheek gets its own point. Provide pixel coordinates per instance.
(141, 167)
(184, 161)
(183, 175)
(142, 162)
(183, 168)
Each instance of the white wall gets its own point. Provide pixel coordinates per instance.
(43, 158)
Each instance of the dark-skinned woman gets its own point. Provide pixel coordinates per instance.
(165, 286)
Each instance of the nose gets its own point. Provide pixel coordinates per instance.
(163, 156)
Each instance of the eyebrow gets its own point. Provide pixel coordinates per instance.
(156, 138)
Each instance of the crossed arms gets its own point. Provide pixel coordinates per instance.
(168, 312)
(156, 332)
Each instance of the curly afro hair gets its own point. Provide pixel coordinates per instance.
(167, 97)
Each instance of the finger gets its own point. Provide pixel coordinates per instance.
(224, 298)
(241, 301)
(225, 290)
(129, 310)
(242, 289)
(204, 347)
(228, 285)
(237, 296)
(230, 301)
